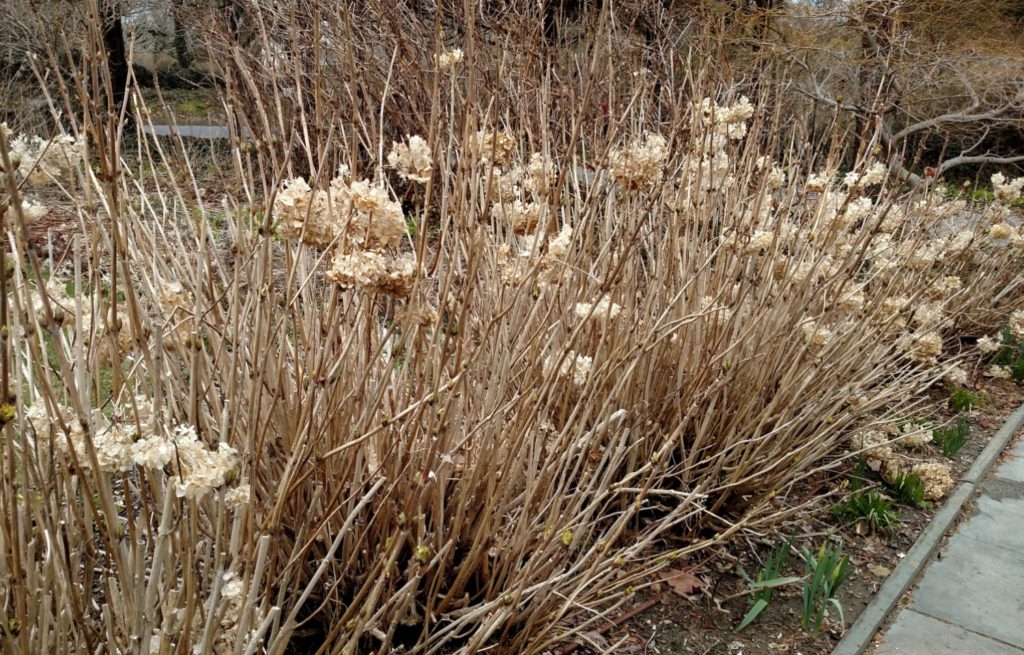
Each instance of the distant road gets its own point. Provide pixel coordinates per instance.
(211, 132)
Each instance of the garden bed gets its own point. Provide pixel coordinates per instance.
(705, 621)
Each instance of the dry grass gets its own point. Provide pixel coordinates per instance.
(485, 454)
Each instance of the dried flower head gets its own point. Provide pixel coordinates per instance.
(816, 335)
(999, 372)
(540, 175)
(871, 177)
(603, 309)
(413, 159)
(42, 161)
(1001, 232)
(640, 164)
(937, 479)
(494, 147)
(32, 211)
(199, 470)
(373, 272)
(1007, 190)
(238, 497)
(955, 376)
(558, 245)
(921, 347)
(988, 345)
(1016, 325)
(303, 215)
(818, 182)
(450, 59)
(522, 217)
(916, 438)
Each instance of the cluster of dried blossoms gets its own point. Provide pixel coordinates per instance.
(450, 59)
(358, 222)
(884, 451)
(989, 345)
(135, 437)
(38, 162)
(1007, 190)
(640, 165)
(412, 159)
(519, 194)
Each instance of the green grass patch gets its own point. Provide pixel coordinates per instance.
(908, 489)
(824, 573)
(963, 399)
(763, 585)
(870, 508)
(952, 438)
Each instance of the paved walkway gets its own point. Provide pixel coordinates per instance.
(970, 601)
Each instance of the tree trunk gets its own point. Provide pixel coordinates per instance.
(181, 49)
(117, 54)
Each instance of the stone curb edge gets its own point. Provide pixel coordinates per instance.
(859, 636)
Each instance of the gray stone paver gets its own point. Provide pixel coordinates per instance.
(978, 586)
(1012, 468)
(970, 600)
(914, 633)
(999, 518)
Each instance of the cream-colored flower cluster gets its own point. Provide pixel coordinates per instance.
(873, 176)
(304, 215)
(493, 147)
(177, 311)
(921, 347)
(32, 210)
(708, 167)
(225, 637)
(718, 314)
(877, 448)
(350, 214)
(874, 445)
(937, 478)
(1016, 325)
(641, 164)
(602, 310)
(41, 161)
(412, 159)
(112, 440)
(519, 194)
(136, 438)
(1007, 190)
(522, 217)
(1001, 232)
(449, 59)
(729, 121)
(574, 366)
(38, 162)
(373, 271)
(549, 267)
(999, 372)
(816, 335)
(196, 469)
(956, 376)
(360, 221)
(989, 345)
(915, 437)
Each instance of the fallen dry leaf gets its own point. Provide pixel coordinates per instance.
(682, 581)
